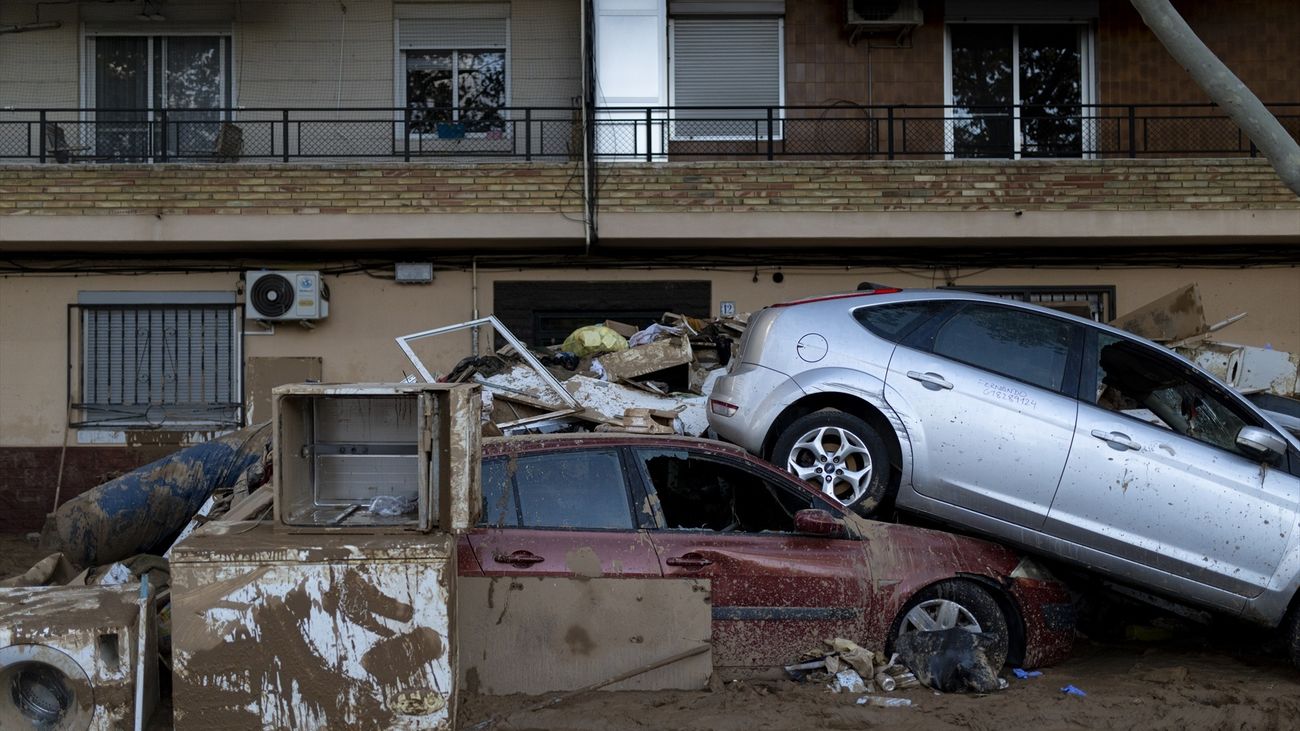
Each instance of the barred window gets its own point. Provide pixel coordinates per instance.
(157, 364)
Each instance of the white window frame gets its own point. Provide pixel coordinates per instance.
(778, 126)
(399, 82)
(228, 82)
(1087, 72)
(87, 91)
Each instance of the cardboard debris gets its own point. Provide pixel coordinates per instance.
(1176, 316)
(622, 328)
(609, 401)
(1177, 321)
(644, 421)
(632, 363)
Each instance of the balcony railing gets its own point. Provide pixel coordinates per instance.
(841, 131)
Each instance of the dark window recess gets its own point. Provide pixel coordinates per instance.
(894, 322)
(1092, 303)
(544, 313)
(499, 508)
(573, 490)
(704, 494)
(1166, 393)
(1022, 345)
(158, 366)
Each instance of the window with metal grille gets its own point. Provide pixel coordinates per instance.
(1094, 303)
(156, 364)
(726, 62)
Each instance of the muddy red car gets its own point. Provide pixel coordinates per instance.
(788, 567)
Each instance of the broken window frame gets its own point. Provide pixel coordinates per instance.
(1090, 383)
(569, 404)
(163, 407)
(639, 455)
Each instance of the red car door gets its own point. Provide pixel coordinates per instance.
(561, 513)
(776, 593)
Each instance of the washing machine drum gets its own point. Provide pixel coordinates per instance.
(44, 689)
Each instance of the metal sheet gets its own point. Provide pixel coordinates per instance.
(524, 634)
(274, 630)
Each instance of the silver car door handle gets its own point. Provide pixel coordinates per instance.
(934, 379)
(1116, 438)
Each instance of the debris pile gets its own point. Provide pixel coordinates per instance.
(849, 668)
(608, 376)
(1268, 377)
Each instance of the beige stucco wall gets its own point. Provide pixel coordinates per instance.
(304, 53)
(356, 342)
(39, 68)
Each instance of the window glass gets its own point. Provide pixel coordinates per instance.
(996, 67)
(1025, 346)
(467, 86)
(499, 509)
(573, 489)
(1051, 87)
(1164, 392)
(703, 494)
(982, 89)
(893, 322)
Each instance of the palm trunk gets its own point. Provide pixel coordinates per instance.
(1222, 86)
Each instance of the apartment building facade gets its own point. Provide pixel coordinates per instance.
(561, 161)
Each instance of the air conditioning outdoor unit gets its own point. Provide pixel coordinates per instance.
(273, 295)
(884, 13)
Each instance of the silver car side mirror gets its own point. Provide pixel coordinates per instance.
(1260, 442)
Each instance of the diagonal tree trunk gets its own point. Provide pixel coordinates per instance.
(1222, 86)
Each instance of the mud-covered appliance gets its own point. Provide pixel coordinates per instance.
(373, 457)
(74, 658)
(338, 613)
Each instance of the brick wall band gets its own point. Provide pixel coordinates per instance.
(1227, 184)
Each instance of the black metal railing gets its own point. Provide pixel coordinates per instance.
(841, 131)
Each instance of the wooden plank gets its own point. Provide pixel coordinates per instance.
(527, 634)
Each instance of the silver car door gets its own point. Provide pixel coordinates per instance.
(1155, 478)
(981, 397)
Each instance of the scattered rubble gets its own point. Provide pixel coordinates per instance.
(951, 660)
(606, 376)
(1270, 378)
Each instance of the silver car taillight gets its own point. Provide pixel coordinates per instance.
(722, 408)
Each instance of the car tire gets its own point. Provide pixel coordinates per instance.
(831, 434)
(977, 610)
(1291, 635)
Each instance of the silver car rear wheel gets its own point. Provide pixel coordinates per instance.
(835, 460)
(840, 455)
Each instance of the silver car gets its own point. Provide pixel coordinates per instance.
(1045, 430)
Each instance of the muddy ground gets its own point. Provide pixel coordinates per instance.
(1220, 677)
(1193, 682)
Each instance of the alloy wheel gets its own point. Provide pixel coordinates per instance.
(939, 614)
(834, 460)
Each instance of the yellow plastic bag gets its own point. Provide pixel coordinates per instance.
(594, 340)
